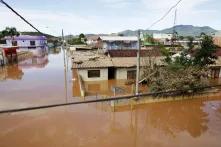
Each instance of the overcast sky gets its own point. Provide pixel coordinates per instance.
(107, 16)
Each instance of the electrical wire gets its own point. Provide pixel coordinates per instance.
(7, 5)
(165, 15)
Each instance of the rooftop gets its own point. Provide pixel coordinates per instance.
(133, 53)
(118, 62)
(119, 38)
(95, 63)
(26, 37)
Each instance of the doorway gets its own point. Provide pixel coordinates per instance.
(111, 73)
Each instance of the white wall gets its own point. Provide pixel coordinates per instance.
(121, 73)
(26, 43)
(103, 74)
(162, 36)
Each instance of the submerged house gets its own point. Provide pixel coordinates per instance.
(26, 41)
(117, 42)
(118, 64)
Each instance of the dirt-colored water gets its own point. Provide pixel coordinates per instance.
(189, 123)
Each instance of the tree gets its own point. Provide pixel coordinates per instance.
(181, 37)
(81, 36)
(183, 72)
(190, 43)
(81, 39)
(9, 32)
(205, 55)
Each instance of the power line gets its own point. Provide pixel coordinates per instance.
(165, 15)
(7, 5)
(103, 100)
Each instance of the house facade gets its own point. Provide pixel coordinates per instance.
(26, 41)
(117, 42)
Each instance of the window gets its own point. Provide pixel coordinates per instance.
(32, 43)
(14, 43)
(93, 73)
(131, 74)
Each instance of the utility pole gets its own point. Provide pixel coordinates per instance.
(138, 63)
(62, 36)
(174, 29)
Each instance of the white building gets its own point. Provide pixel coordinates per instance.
(161, 36)
(26, 41)
(118, 42)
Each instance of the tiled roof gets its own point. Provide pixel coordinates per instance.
(97, 63)
(132, 61)
(133, 53)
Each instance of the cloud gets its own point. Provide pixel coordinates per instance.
(122, 15)
(118, 3)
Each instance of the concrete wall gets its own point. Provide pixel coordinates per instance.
(103, 74)
(121, 73)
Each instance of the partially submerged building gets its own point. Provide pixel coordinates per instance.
(117, 42)
(118, 64)
(26, 41)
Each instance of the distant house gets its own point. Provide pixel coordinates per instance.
(117, 42)
(26, 41)
(92, 40)
(162, 36)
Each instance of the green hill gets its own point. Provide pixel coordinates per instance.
(182, 30)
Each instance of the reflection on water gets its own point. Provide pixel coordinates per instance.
(38, 60)
(12, 72)
(188, 123)
(38, 80)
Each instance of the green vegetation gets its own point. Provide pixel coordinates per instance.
(81, 39)
(184, 71)
(9, 32)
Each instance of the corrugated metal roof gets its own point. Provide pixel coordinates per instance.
(119, 38)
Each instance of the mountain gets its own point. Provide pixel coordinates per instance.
(182, 30)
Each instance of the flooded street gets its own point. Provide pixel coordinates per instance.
(192, 123)
(36, 81)
(41, 81)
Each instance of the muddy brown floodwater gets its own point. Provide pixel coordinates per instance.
(188, 123)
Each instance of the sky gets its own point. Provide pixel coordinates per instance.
(107, 16)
